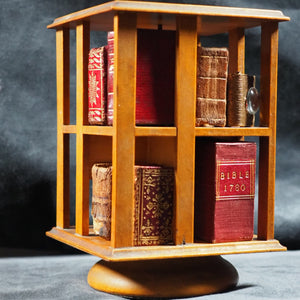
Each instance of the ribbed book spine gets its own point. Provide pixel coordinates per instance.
(225, 189)
(238, 86)
(97, 86)
(212, 65)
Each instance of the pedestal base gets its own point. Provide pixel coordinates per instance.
(168, 278)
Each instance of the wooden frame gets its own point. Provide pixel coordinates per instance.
(125, 141)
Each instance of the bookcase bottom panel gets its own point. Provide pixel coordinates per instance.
(99, 247)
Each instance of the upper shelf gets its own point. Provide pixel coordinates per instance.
(211, 19)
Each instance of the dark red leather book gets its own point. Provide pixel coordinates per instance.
(153, 214)
(97, 86)
(153, 203)
(155, 77)
(224, 191)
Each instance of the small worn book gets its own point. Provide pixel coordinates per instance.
(97, 95)
(212, 65)
(101, 199)
(238, 87)
(224, 191)
(153, 203)
(155, 77)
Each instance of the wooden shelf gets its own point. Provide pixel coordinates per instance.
(232, 131)
(214, 19)
(172, 131)
(97, 246)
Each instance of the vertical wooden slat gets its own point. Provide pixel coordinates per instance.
(82, 172)
(237, 54)
(236, 51)
(63, 118)
(269, 61)
(124, 129)
(185, 106)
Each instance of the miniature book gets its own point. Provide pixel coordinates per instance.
(212, 65)
(224, 191)
(97, 86)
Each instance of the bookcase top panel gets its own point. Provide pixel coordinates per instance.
(211, 19)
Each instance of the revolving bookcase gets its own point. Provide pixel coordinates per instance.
(174, 269)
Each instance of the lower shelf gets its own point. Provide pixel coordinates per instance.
(99, 247)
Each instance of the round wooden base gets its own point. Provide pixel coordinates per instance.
(164, 278)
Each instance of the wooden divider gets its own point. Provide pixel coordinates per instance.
(123, 157)
(269, 61)
(185, 107)
(82, 171)
(63, 118)
(236, 51)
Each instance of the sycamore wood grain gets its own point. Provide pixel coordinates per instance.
(185, 111)
(214, 19)
(102, 248)
(164, 279)
(123, 156)
(126, 144)
(63, 117)
(82, 172)
(236, 51)
(268, 109)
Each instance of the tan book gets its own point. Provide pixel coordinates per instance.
(212, 66)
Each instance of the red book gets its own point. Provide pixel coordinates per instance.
(110, 78)
(224, 191)
(97, 86)
(155, 77)
(153, 213)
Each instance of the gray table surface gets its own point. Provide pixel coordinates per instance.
(261, 276)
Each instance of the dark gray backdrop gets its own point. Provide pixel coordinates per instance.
(28, 117)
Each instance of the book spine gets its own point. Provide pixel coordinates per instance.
(97, 86)
(154, 192)
(212, 65)
(155, 80)
(238, 86)
(101, 199)
(110, 78)
(225, 197)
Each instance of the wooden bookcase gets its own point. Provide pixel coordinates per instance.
(126, 144)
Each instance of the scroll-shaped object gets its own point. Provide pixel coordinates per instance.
(237, 112)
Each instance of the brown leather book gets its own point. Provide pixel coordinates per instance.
(224, 191)
(153, 200)
(238, 87)
(212, 65)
